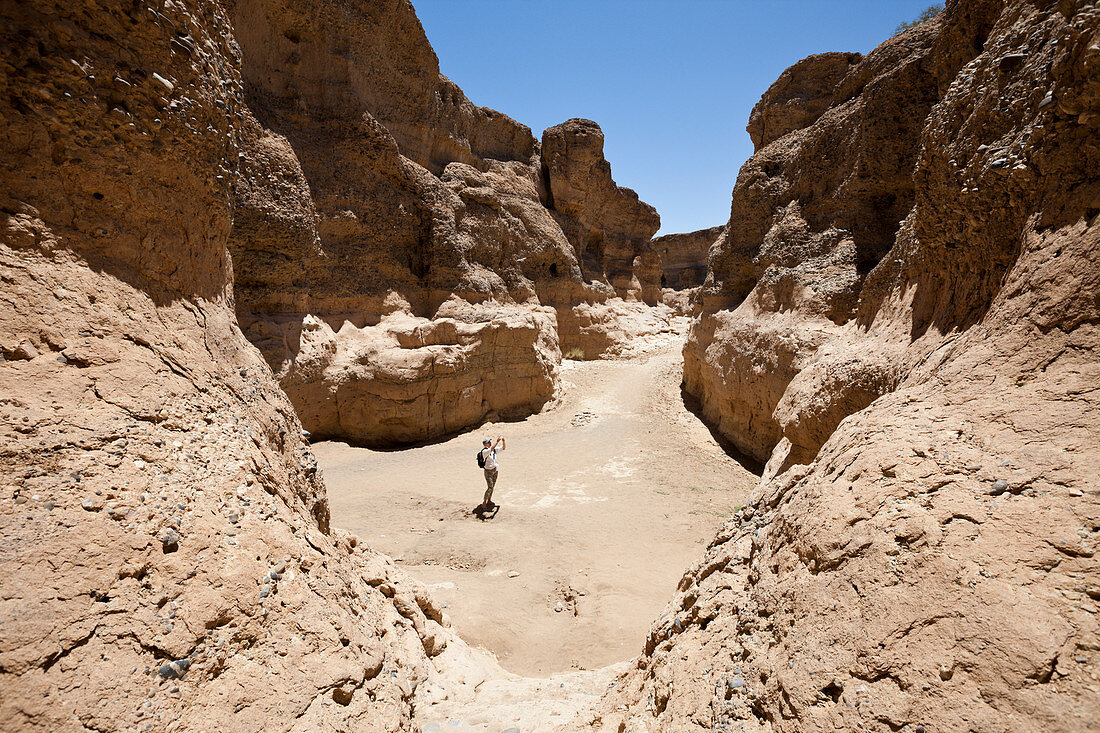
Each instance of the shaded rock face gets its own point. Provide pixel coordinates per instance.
(684, 257)
(167, 557)
(921, 551)
(370, 185)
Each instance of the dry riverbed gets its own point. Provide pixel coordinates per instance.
(606, 498)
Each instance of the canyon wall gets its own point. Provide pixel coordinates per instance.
(167, 561)
(903, 319)
(388, 232)
(684, 257)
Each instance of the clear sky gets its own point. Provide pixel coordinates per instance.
(671, 82)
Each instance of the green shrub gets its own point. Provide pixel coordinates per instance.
(576, 354)
(927, 14)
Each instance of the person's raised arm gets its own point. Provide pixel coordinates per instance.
(501, 443)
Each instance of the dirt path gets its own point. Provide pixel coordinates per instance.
(606, 498)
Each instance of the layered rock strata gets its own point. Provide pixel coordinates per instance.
(902, 316)
(370, 185)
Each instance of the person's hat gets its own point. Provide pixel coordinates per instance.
(486, 442)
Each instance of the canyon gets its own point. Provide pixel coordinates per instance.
(232, 227)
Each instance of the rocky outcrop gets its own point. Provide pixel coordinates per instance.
(408, 379)
(902, 316)
(167, 559)
(370, 185)
(684, 257)
(607, 225)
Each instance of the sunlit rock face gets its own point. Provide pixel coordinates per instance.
(370, 186)
(901, 319)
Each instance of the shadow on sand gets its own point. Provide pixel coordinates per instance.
(691, 402)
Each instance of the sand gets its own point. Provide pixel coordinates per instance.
(606, 497)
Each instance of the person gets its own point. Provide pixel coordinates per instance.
(489, 452)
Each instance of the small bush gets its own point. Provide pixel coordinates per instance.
(927, 14)
(576, 354)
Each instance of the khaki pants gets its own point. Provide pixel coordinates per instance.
(490, 482)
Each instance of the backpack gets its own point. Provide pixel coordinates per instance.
(481, 458)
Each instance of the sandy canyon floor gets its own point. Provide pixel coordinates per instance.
(606, 496)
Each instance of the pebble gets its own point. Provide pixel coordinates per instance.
(174, 670)
(90, 505)
(1076, 492)
(559, 608)
(735, 683)
(513, 573)
(265, 591)
(513, 729)
(999, 486)
(171, 541)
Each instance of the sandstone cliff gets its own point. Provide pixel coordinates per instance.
(903, 318)
(167, 561)
(684, 257)
(370, 186)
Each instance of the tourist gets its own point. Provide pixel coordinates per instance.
(487, 458)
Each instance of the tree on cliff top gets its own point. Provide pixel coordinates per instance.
(927, 14)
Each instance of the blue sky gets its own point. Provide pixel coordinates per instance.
(671, 82)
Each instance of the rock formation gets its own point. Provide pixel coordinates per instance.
(370, 186)
(684, 257)
(167, 557)
(607, 225)
(902, 317)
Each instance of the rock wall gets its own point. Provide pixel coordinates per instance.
(607, 225)
(684, 257)
(902, 316)
(370, 185)
(167, 560)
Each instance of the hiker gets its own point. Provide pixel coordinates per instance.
(487, 459)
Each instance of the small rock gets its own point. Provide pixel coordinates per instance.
(736, 683)
(1076, 492)
(513, 573)
(174, 670)
(946, 672)
(265, 591)
(558, 608)
(171, 541)
(999, 487)
(510, 730)
(23, 500)
(91, 505)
